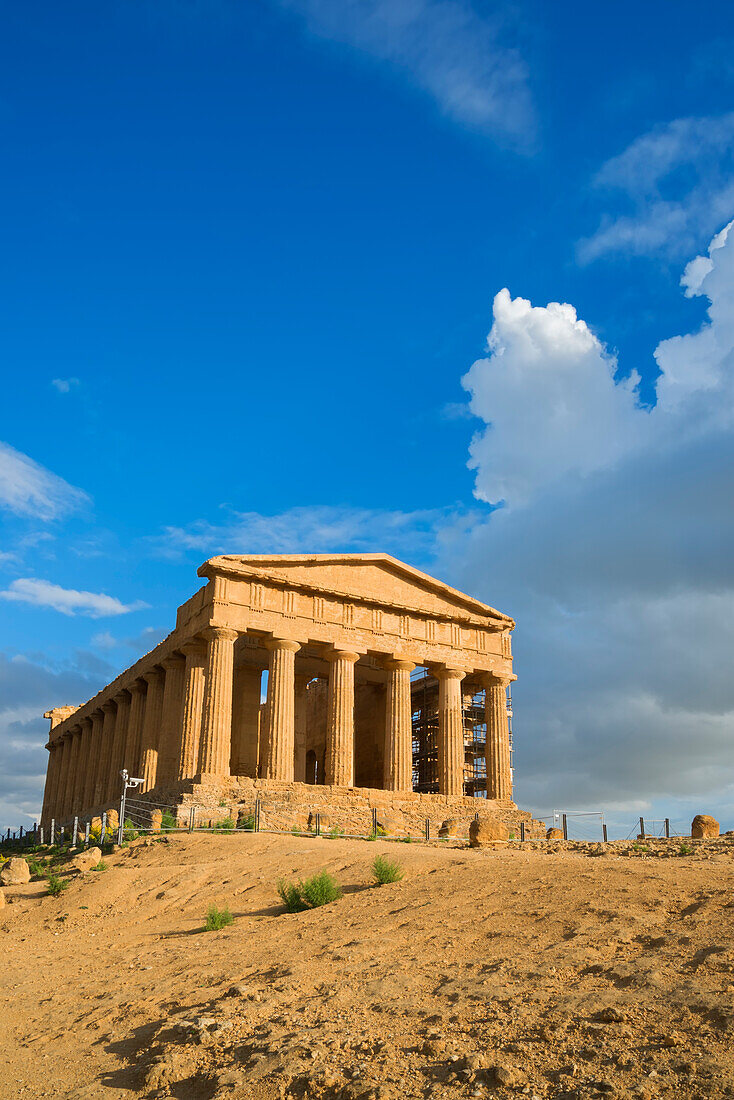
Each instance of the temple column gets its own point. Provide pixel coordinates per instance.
(71, 775)
(216, 727)
(133, 737)
(52, 781)
(85, 749)
(151, 728)
(109, 711)
(499, 776)
(90, 781)
(246, 721)
(195, 653)
(398, 728)
(114, 785)
(339, 763)
(300, 728)
(281, 706)
(450, 731)
(169, 744)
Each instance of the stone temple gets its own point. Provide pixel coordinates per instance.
(348, 642)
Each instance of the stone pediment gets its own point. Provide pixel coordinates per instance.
(376, 578)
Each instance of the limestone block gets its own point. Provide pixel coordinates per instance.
(485, 831)
(2, 899)
(704, 825)
(554, 834)
(87, 861)
(156, 820)
(113, 820)
(389, 824)
(16, 872)
(95, 827)
(449, 828)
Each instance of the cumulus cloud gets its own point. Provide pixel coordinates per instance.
(143, 642)
(443, 47)
(68, 601)
(618, 564)
(318, 529)
(547, 392)
(28, 489)
(676, 182)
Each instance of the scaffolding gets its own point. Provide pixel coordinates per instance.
(424, 698)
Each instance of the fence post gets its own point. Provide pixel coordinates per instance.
(20, 833)
(374, 821)
(667, 828)
(604, 832)
(104, 829)
(522, 830)
(53, 828)
(565, 827)
(257, 815)
(86, 835)
(76, 832)
(192, 816)
(642, 827)
(428, 828)
(40, 833)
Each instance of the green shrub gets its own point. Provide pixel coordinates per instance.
(685, 849)
(335, 832)
(309, 893)
(247, 822)
(372, 836)
(386, 870)
(36, 868)
(56, 885)
(217, 918)
(290, 895)
(129, 832)
(101, 866)
(168, 822)
(226, 823)
(407, 840)
(222, 802)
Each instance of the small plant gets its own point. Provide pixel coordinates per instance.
(386, 870)
(335, 832)
(222, 802)
(685, 849)
(36, 868)
(372, 836)
(101, 866)
(217, 918)
(309, 893)
(407, 840)
(129, 830)
(56, 885)
(295, 830)
(226, 823)
(247, 822)
(290, 895)
(512, 836)
(168, 822)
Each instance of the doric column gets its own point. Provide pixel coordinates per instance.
(85, 749)
(188, 761)
(398, 728)
(65, 750)
(499, 777)
(216, 726)
(52, 781)
(109, 711)
(71, 775)
(340, 719)
(90, 783)
(450, 731)
(169, 744)
(246, 721)
(133, 738)
(300, 728)
(151, 727)
(281, 708)
(114, 785)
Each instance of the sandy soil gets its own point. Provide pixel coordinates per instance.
(483, 973)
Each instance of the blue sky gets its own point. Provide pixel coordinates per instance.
(250, 252)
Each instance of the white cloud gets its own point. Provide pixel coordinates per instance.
(443, 47)
(318, 529)
(64, 385)
(67, 600)
(143, 642)
(621, 580)
(548, 396)
(677, 180)
(28, 489)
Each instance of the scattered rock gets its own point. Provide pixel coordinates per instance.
(156, 820)
(388, 825)
(95, 827)
(554, 834)
(113, 820)
(449, 828)
(704, 825)
(2, 899)
(503, 1075)
(486, 830)
(16, 872)
(611, 1015)
(87, 861)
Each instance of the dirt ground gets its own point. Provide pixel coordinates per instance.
(537, 972)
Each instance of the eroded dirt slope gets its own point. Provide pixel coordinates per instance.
(481, 974)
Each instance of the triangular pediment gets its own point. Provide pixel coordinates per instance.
(378, 578)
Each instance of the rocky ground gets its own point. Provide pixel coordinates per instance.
(553, 971)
